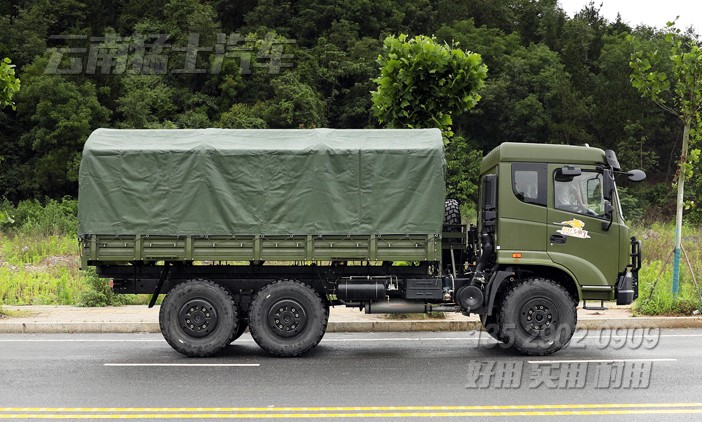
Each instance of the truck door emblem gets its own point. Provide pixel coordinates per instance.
(573, 228)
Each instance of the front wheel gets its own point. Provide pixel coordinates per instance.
(287, 318)
(490, 326)
(537, 317)
(198, 318)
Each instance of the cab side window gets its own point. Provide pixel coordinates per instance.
(580, 194)
(529, 182)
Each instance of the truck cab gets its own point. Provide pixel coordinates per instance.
(549, 218)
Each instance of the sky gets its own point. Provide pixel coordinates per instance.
(649, 12)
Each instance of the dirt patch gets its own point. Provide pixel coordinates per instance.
(431, 315)
(6, 313)
(49, 262)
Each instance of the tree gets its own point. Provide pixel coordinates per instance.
(240, 116)
(294, 105)
(147, 101)
(422, 83)
(9, 84)
(532, 100)
(681, 95)
(57, 116)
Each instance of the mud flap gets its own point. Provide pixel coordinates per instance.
(625, 289)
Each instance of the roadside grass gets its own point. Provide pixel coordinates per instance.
(39, 259)
(655, 277)
(44, 270)
(39, 270)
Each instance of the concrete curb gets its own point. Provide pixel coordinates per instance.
(641, 322)
(19, 327)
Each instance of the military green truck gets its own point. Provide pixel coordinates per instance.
(268, 229)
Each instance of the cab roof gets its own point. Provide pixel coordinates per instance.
(542, 153)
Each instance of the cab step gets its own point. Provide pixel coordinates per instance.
(594, 308)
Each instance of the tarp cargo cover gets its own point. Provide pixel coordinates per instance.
(267, 182)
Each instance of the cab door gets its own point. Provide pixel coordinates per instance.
(578, 237)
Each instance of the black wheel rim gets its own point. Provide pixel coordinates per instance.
(538, 317)
(287, 318)
(198, 317)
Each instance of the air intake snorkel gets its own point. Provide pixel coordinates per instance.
(488, 220)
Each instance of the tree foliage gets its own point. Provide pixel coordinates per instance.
(9, 84)
(422, 83)
(552, 78)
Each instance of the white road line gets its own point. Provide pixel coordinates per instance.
(186, 364)
(346, 340)
(77, 340)
(603, 360)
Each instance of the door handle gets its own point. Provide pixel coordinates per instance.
(558, 239)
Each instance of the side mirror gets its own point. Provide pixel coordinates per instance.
(567, 173)
(609, 213)
(593, 190)
(636, 175)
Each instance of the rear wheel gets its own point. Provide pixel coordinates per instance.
(537, 317)
(241, 327)
(198, 318)
(287, 318)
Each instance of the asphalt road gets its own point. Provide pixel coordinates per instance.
(605, 376)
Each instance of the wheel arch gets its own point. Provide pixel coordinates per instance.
(556, 273)
(559, 275)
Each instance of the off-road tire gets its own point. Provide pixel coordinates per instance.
(287, 318)
(213, 307)
(491, 326)
(452, 212)
(242, 325)
(452, 216)
(537, 317)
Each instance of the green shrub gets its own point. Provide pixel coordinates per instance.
(97, 291)
(31, 217)
(632, 209)
(656, 298)
(657, 242)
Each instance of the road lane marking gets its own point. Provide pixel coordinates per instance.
(350, 415)
(350, 408)
(185, 364)
(77, 340)
(602, 360)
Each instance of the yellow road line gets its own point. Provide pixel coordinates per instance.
(348, 408)
(347, 415)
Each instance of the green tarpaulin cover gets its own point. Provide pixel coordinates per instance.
(266, 182)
